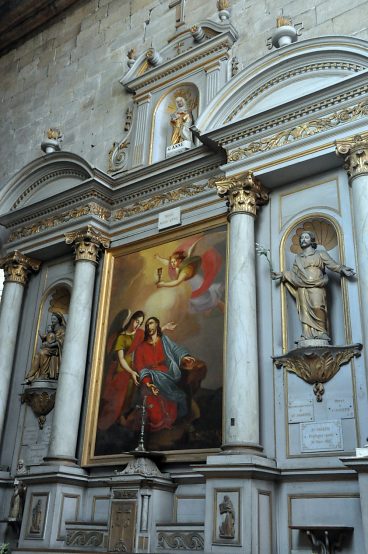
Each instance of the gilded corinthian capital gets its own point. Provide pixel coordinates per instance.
(355, 153)
(17, 267)
(87, 243)
(244, 193)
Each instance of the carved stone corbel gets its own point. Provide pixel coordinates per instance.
(41, 402)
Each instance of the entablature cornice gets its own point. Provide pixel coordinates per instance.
(347, 93)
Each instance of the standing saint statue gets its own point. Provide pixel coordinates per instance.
(307, 282)
(227, 526)
(181, 121)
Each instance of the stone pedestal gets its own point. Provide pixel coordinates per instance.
(17, 269)
(178, 148)
(244, 195)
(88, 244)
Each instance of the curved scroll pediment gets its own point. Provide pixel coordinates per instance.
(284, 75)
(42, 178)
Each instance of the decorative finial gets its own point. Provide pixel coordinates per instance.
(53, 141)
(223, 8)
(197, 33)
(132, 56)
(285, 32)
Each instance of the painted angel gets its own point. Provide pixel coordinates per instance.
(199, 271)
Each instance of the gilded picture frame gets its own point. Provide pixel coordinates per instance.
(178, 279)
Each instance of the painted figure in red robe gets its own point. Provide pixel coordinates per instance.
(158, 360)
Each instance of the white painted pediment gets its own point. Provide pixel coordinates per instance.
(284, 75)
(43, 178)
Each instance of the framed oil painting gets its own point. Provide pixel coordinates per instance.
(159, 350)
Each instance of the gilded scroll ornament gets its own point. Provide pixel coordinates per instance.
(244, 193)
(355, 154)
(92, 208)
(17, 267)
(317, 365)
(305, 130)
(87, 243)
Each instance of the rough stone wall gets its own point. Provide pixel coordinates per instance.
(68, 75)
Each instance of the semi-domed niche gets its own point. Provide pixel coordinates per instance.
(174, 115)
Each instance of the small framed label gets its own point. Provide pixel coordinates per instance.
(321, 437)
(300, 411)
(340, 407)
(169, 218)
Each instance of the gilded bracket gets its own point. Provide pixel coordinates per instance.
(317, 364)
(41, 403)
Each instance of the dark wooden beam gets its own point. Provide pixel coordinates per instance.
(20, 18)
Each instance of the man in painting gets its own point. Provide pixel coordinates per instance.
(158, 361)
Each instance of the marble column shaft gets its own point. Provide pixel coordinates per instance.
(17, 269)
(355, 154)
(68, 401)
(241, 398)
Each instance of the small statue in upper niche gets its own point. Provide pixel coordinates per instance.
(46, 362)
(181, 121)
(307, 282)
(227, 512)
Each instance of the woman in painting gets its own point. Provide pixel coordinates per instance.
(121, 379)
(46, 362)
(199, 272)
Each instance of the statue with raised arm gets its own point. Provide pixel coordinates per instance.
(307, 282)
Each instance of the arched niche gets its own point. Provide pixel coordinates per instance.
(55, 300)
(165, 109)
(329, 238)
(290, 73)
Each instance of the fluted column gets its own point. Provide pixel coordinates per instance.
(355, 153)
(17, 269)
(244, 195)
(87, 244)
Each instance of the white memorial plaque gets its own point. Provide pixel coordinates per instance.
(36, 453)
(321, 437)
(340, 408)
(169, 218)
(300, 411)
(30, 435)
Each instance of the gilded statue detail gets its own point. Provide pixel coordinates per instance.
(307, 282)
(181, 121)
(46, 362)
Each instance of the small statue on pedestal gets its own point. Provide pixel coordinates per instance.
(181, 121)
(227, 512)
(17, 502)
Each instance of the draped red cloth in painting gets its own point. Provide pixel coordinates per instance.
(115, 388)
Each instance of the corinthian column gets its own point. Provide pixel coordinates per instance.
(244, 195)
(17, 269)
(355, 153)
(87, 244)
